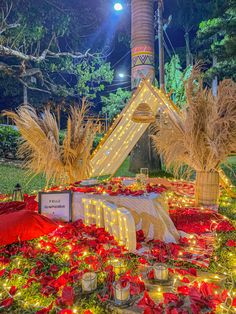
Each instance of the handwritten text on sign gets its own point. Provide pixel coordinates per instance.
(56, 205)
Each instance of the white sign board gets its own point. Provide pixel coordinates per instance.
(56, 205)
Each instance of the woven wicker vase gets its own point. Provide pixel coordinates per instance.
(207, 188)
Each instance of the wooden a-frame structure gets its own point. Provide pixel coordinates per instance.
(125, 133)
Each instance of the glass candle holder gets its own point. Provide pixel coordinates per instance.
(161, 272)
(144, 171)
(121, 293)
(118, 265)
(89, 282)
(144, 178)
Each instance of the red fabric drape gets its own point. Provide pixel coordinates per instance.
(19, 221)
(24, 225)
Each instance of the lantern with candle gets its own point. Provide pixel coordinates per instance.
(161, 272)
(121, 292)
(89, 282)
(17, 194)
(119, 265)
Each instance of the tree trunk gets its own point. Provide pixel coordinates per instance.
(207, 188)
(25, 95)
(215, 79)
(58, 110)
(188, 51)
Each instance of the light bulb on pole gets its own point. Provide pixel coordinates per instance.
(121, 75)
(118, 6)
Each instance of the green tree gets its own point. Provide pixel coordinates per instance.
(186, 16)
(217, 40)
(175, 78)
(39, 40)
(115, 102)
(92, 75)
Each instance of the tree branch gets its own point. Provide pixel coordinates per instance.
(6, 51)
(34, 88)
(6, 68)
(9, 26)
(32, 72)
(75, 55)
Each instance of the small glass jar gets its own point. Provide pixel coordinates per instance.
(144, 172)
(118, 266)
(89, 282)
(121, 293)
(161, 272)
(144, 178)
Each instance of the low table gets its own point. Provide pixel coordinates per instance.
(150, 213)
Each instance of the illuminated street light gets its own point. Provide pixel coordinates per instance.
(121, 75)
(118, 6)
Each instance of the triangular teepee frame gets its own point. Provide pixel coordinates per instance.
(124, 133)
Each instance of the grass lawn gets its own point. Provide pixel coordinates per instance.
(230, 169)
(11, 175)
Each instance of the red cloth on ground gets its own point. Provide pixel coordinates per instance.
(30, 202)
(196, 220)
(11, 207)
(24, 225)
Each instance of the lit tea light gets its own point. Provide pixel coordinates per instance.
(118, 265)
(89, 282)
(161, 272)
(121, 293)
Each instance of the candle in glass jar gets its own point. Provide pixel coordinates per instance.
(89, 282)
(161, 272)
(144, 171)
(118, 265)
(121, 293)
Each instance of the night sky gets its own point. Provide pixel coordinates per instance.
(113, 34)
(116, 31)
(109, 32)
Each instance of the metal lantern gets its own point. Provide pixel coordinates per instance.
(17, 194)
(143, 114)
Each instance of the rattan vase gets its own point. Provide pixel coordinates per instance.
(207, 188)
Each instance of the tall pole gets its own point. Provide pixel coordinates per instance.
(161, 46)
(142, 41)
(142, 45)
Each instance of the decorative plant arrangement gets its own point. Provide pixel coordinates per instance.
(202, 137)
(42, 151)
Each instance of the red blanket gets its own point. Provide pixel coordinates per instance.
(11, 207)
(199, 221)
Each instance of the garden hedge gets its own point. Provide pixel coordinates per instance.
(10, 137)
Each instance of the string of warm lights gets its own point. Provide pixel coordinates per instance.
(70, 248)
(124, 133)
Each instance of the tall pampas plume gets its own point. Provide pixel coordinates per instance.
(40, 147)
(204, 134)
